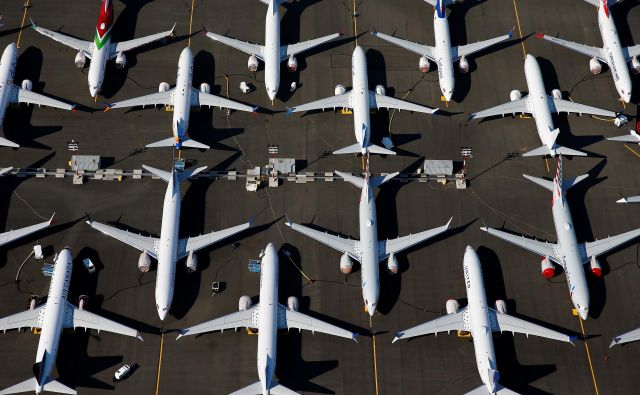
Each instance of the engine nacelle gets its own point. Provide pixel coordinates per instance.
(595, 66)
(463, 66)
(80, 60)
(501, 306)
(144, 262)
(205, 88)
(27, 85)
(292, 64)
(547, 269)
(515, 95)
(252, 64)
(557, 94)
(293, 304)
(339, 90)
(595, 267)
(392, 264)
(635, 65)
(345, 264)
(192, 262)
(424, 64)
(164, 87)
(452, 306)
(380, 90)
(244, 303)
(121, 61)
(83, 302)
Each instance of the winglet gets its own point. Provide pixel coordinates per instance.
(510, 34)
(290, 110)
(614, 341)
(33, 24)
(51, 219)
(539, 35)
(139, 336)
(623, 200)
(89, 220)
(107, 108)
(254, 109)
(181, 333)
(374, 31)
(173, 28)
(572, 339)
(397, 337)
(287, 220)
(354, 336)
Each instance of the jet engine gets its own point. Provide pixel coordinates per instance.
(83, 302)
(595, 66)
(205, 88)
(452, 306)
(164, 87)
(547, 268)
(515, 95)
(380, 90)
(345, 264)
(501, 306)
(292, 64)
(635, 65)
(293, 304)
(424, 64)
(121, 61)
(252, 64)
(595, 267)
(556, 93)
(339, 90)
(192, 262)
(27, 85)
(392, 264)
(34, 300)
(80, 60)
(463, 66)
(144, 262)
(244, 303)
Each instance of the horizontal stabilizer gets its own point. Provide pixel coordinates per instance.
(540, 151)
(568, 151)
(165, 175)
(352, 149)
(355, 180)
(573, 181)
(540, 181)
(376, 149)
(29, 385)
(500, 390)
(171, 142)
(377, 181)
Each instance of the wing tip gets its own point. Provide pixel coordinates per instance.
(51, 218)
(539, 35)
(622, 200)
(614, 341)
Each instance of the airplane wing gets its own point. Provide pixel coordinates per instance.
(248, 48)
(146, 244)
(632, 137)
(199, 98)
(416, 48)
(508, 323)
(383, 101)
(386, 247)
(19, 95)
(631, 52)
(560, 105)
(338, 243)
(154, 99)
(520, 106)
(293, 49)
(295, 319)
(599, 247)
(24, 319)
(338, 101)
(239, 319)
(447, 323)
(541, 248)
(593, 52)
(76, 318)
(8, 237)
(199, 242)
(137, 42)
(256, 388)
(77, 44)
(500, 390)
(466, 50)
(627, 337)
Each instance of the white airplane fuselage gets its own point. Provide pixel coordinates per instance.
(539, 102)
(612, 50)
(97, 66)
(51, 318)
(368, 247)
(482, 334)
(272, 50)
(268, 317)
(360, 97)
(8, 64)
(182, 97)
(443, 53)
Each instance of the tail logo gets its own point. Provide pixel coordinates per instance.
(105, 22)
(440, 9)
(605, 7)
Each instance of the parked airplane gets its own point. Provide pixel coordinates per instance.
(478, 319)
(272, 53)
(52, 317)
(540, 106)
(101, 49)
(443, 54)
(611, 53)
(168, 249)
(8, 237)
(360, 99)
(10, 93)
(267, 317)
(368, 250)
(182, 98)
(567, 252)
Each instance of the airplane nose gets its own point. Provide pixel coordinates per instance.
(371, 309)
(271, 93)
(162, 312)
(584, 313)
(93, 90)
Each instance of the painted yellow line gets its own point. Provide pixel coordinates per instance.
(375, 359)
(632, 150)
(159, 362)
(355, 23)
(190, 22)
(546, 162)
(24, 16)
(586, 347)
(524, 50)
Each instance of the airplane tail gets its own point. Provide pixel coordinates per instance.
(256, 388)
(31, 384)
(357, 149)
(558, 150)
(558, 185)
(500, 390)
(182, 175)
(171, 142)
(360, 182)
(8, 143)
